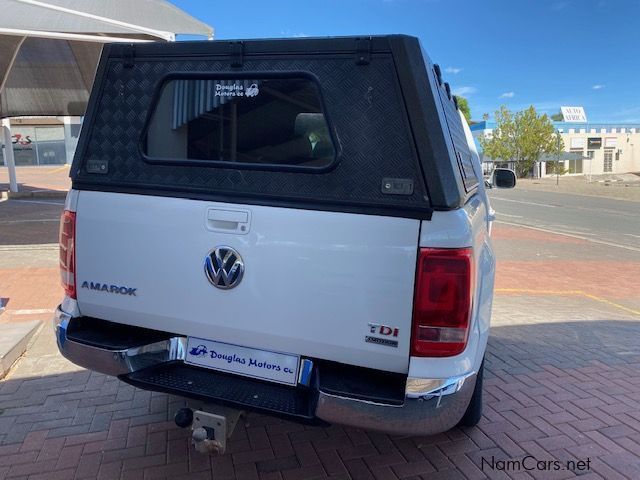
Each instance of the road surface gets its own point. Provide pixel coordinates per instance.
(614, 223)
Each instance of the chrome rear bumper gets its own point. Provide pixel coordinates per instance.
(430, 406)
(116, 362)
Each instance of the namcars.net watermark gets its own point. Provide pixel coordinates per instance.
(531, 463)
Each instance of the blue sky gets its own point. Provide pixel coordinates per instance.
(514, 52)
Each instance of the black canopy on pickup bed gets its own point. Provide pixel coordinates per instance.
(394, 128)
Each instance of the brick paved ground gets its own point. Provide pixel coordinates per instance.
(29, 272)
(562, 382)
(38, 178)
(554, 390)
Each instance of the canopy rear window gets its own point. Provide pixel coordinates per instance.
(247, 122)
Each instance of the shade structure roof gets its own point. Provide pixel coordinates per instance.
(49, 49)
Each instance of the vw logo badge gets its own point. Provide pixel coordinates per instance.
(224, 267)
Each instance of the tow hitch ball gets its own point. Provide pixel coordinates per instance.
(209, 429)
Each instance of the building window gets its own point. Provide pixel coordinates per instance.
(590, 153)
(577, 142)
(575, 166)
(608, 161)
(38, 145)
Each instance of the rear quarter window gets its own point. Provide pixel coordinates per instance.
(463, 154)
(248, 122)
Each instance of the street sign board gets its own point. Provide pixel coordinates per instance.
(594, 142)
(574, 114)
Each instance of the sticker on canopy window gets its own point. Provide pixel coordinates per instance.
(236, 90)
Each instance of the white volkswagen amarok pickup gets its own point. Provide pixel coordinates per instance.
(297, 227)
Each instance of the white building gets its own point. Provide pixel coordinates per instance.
(590, 148)
(43, 140)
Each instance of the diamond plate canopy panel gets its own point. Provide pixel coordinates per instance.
(363, 103)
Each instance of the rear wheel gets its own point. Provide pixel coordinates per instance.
(474, 411)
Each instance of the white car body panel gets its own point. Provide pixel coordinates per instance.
(462, 228)
(313, 280)
(71, 201)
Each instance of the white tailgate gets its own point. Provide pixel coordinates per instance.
(313, 280)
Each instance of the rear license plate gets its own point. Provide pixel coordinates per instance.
(250, 362)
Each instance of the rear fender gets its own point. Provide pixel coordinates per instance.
(460, 228)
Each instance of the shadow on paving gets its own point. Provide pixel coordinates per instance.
(529, 348)
(566, 391)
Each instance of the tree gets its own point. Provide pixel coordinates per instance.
(557, 117)
(463, 105)
(555, 166)
(522, 137)
(485, 116)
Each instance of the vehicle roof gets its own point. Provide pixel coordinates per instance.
(376, 43)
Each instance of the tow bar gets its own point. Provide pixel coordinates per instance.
(210, 427)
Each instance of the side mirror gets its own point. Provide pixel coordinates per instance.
(504, 178)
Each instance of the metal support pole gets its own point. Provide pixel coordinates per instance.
(68, 145)
(558, 161)
(8, 155)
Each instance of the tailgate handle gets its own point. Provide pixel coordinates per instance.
(230, 221)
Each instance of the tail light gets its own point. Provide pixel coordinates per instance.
(68, 252)
(443, 301)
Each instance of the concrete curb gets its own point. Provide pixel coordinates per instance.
(14, 342)
(6, 195)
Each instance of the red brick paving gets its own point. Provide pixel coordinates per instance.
(28, 289)
(607, 279)
(548, 393)
(522, 418)
(29, 273)
(54, 177)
